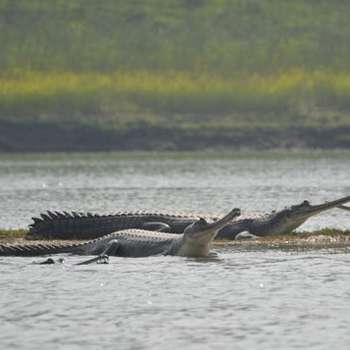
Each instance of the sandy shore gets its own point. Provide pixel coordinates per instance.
(317, 239)
(303, 241)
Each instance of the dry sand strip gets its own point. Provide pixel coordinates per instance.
(317, 239)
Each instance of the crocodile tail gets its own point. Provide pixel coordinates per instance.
(34, 249)
(63, 225)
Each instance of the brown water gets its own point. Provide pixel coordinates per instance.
(243, 299)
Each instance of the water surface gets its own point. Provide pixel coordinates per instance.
(106, 183)
(243, 299)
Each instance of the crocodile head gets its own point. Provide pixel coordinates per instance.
(198, 236)
(287, 220)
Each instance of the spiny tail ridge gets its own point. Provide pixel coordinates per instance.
(66, 225)
(34, 249)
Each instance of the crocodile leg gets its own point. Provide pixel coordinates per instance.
(156, 226)
(111, 249)
(344, 207)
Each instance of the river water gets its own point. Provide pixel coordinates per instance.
(242, 299)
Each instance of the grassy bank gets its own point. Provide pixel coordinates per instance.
(292, 98)
(115, 70)
(12, 234)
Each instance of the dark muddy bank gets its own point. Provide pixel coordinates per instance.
(50, 137)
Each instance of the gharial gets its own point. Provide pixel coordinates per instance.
(86, 226)
(194, 242)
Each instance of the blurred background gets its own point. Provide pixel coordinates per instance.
(174, 75)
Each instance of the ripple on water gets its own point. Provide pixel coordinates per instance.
(242, 299)
(271, 298)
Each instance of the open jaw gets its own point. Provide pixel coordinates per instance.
(203, 230)
(197, 237)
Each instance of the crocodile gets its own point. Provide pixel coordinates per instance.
(87, 226)
(279, 222)
(195, 241)
(75, 225)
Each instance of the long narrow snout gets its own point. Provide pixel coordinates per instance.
(216, 225)
(315, 209)
(198, 236)
(211, 229)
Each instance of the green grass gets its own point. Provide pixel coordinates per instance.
(14, 233)
(294, 97)
(192, 35)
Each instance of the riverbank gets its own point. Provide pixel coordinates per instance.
(37, 136)
(325, 238)
(163, 79)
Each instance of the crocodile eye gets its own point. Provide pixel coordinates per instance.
(201, 222)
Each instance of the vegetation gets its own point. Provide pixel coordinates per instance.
(8, 234)
(186, 63)
(224, 36)
(191, 100)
